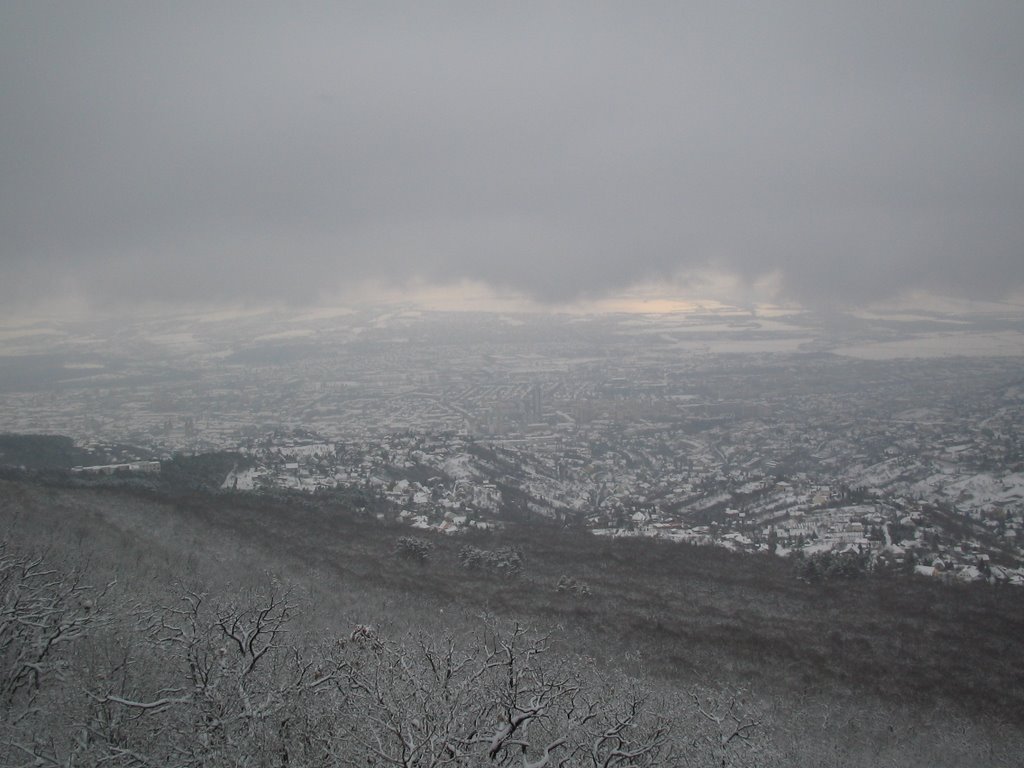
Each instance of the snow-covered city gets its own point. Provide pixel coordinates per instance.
(756, 433)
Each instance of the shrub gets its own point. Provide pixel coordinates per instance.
(829, 565)
(411, 548)
(506, 562)
(573, 586)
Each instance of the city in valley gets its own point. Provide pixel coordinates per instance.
(897, 438)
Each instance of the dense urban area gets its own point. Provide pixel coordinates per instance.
(755, 432)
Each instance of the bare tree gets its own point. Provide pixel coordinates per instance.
(732, 730)
(196, 682)
(44, 612)
(504, 701)
(191, 684)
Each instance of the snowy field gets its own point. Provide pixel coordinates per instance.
(945, 344)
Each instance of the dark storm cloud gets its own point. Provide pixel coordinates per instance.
(217, 151)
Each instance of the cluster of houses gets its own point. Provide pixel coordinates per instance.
(147, 467)
(450, 482)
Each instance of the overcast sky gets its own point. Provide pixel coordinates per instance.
(227, 151)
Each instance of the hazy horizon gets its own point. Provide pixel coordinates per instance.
(254, 155)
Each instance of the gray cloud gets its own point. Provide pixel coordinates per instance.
(238, 151)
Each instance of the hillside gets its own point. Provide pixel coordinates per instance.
(885, 664)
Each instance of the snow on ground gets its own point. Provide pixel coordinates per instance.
(908, 317)
(296, 333)
(978, 490)
(324, 313)
(246, 479)
(22, 341)
(997, 344)
(986, 489)
(458, 467)
(179, 342)
(314, 449)
(920, 415)
(878, 475)
(748, 346)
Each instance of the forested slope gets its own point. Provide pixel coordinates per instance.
(689, 645)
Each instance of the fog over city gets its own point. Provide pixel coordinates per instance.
(249, 153)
